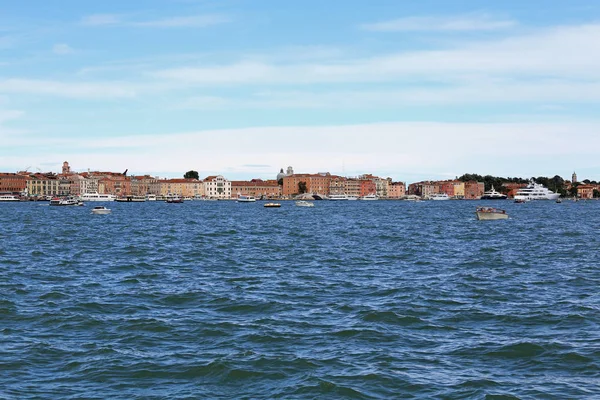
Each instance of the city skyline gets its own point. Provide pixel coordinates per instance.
(413, 91)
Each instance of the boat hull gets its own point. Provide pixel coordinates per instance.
(488, 216)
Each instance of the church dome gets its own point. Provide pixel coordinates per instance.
(281, 174)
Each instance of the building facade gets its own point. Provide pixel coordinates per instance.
(217, 187)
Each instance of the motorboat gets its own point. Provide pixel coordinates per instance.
(493, 195)
(304, 203)
(370, 197)
(536, 191)
(272, 205)
(521, 200)
(174, 200)
(353, 198)
(490, 213)
(95, 196)
(8, 197)
(67, 201)
(338, 197)
(101, 210)
(246, 199)
(439, 196)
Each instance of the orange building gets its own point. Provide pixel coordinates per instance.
(256, 188)
(181, 187)
(585, 191)
(367, 187)
(397, 190)
(12, 183)
(474, 190)
(315, 183)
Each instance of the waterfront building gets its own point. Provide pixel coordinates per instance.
(216, 186)
(397, 190)
(474, 190)
(256, 188)
(513, 188)
(585, 191)
(315, 183)
(337, 185)
(181, 187)
(12, 183)
(43, 185)
(114, 183)
(144, 184)
(423, 189)
(353, 187)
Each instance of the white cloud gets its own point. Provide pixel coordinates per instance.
(461, 23)
(396, 149)
(194, 21)
(101, 19)
(83, 90)
(564, 52)
(62, 48)
(190, 21)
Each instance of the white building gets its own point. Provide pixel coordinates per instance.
(217, 187)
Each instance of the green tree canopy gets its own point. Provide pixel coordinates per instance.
(191, 175)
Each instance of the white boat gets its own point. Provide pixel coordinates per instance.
(131, 199)
(439, 196)
(95, 196)
(8, 197)
(272, 205)
(67, 201)
(150, 197)
(535, 191)
(370, 197)
(101, 210)
(338, 197)
(493, 195)
(245, 199)
(490, 213)
(304, 203)
(352, 198)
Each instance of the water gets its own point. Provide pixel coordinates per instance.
(364, 300)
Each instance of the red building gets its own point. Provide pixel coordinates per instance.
(474, 190)
(12, 183)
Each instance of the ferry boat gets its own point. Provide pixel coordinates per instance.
(150, 197)
(95, 196)
(439, 196)
(272, 205)
(67, 201)
(490, 213)
(131, 199)
(370, 197)
(536, 191)
(245, 199)
(338, 197)
(174, 200)
(493, 195)
(8, 197)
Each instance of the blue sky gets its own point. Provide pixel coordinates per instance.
(406, 89)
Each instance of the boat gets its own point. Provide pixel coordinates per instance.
(174, 200)
(8, 197)
(536, 191)
(558, 200)
(521, 201)
(272, 205)
(490, 213)
(370, 197)
(150, 197)
(245, 199)
(304, 203)
(353, 198)
(101, 210)
(95, 196)
(439, 196)
(67, 201)
(132, 199)
(338, 197)
(493, 195)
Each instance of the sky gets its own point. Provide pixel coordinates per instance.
(411, 90)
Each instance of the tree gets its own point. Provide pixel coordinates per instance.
(302, 187)
(596, 193)
(192, 175)
(280, 181)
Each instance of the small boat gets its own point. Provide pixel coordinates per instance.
(521, 200)
(272, 205)
(246, 199)
(439, 196)
(490, 213)
(101, 210)
(304, 203)
(558, 201)
(150, 197)
(337, 197)
(174, 200)
(352, 198)
(68, 201)
(370, 197)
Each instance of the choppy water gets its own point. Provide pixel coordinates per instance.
(346, 300)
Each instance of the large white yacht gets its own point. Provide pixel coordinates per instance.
(536, 191)
(95, 196)
(370, 197)
(493, 195)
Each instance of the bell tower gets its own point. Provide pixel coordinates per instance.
(574, 178)
(66, 169)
